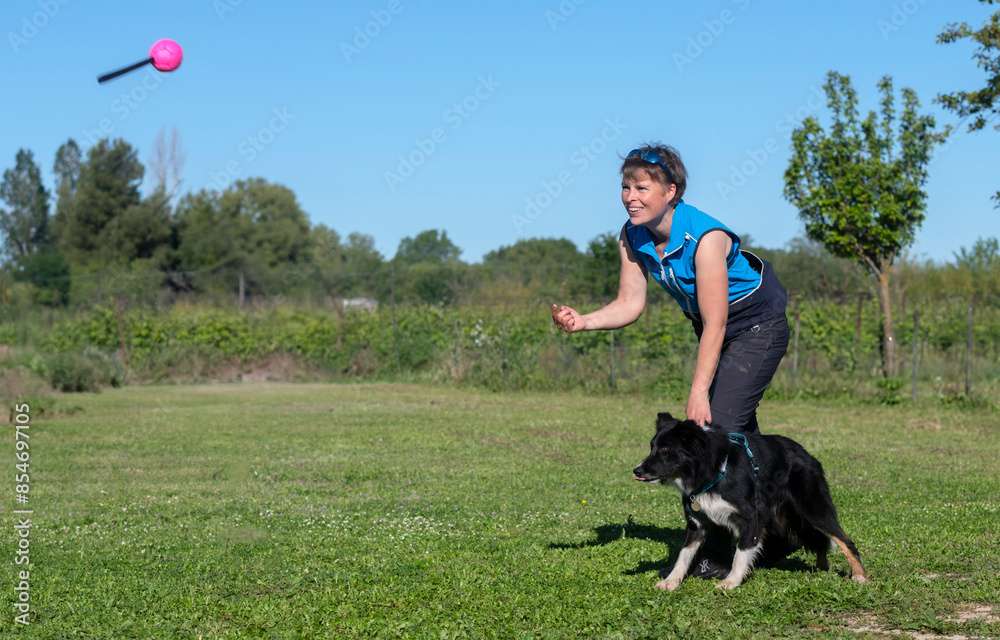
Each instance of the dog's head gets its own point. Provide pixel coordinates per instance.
(677, 449)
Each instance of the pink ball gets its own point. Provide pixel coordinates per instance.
(166, 55)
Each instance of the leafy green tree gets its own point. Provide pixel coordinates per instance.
(428, 268)
(981, 267)
(67, 172)
(343, 269)
(542, 267)
(428, 247)
(25, 223)
(602, 264)
(858, 188)
(252, 232)
(108, 186)
(807, 270)
(47, 273)
(141, 232)
(983, 104)
(214, 246)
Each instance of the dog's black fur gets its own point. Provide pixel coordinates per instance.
(787, 497)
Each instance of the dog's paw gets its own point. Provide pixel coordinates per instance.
(860, 579)
(728, 585)
(668, 585)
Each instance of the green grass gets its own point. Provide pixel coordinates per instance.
(385, 511)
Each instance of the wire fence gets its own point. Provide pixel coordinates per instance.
(947, 349)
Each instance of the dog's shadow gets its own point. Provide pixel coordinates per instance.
(606, 534)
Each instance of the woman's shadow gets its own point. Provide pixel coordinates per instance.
(606, 534)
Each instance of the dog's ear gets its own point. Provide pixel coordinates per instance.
(665, 421)
(691, 436)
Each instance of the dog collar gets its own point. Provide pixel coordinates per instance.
(695, 505)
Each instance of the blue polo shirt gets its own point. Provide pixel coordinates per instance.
(755, 294)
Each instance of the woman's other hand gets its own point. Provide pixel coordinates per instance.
(567, 319)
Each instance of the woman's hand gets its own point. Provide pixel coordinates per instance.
(698, 409)
(567, 319)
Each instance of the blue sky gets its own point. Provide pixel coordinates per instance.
(494, 121)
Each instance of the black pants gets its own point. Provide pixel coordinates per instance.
(746, 365)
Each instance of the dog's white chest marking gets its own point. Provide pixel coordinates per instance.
(715, 509)
(712, 507)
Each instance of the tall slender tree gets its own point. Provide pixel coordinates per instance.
(25, 223)
(858, 188)
(67, 172)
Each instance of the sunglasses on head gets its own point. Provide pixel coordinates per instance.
(650, 156)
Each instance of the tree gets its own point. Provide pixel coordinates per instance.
(141, 232)
(428, 247)
(166, 162)
(981, 264)
(25, 223)
(213, 246)
(545, 267)
(250, 233)
(808, 270)
(427, 267)
(343, 269)
(603, 265)
(984, 103)
(67, 172)
(108, 186)
(859, 188)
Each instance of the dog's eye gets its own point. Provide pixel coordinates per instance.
(664, 449)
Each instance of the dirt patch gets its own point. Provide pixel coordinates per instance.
(794, 427)
(867, 623)
(977, 612)
(277, 368)
(916, 423)
(197, 369)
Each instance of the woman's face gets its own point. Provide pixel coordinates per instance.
(646, 200)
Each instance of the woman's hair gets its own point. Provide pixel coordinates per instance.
(635, 167)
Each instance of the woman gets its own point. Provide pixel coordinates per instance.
(733, 299)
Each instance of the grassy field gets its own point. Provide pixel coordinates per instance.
(392, 511)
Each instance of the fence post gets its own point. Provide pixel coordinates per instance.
(503, 354)
(395, 347)
(242, 289)
(121, 329)
(456, 348)
(795, 352)
(612, 339)
(968, 359)
(916, 350)
(861, 302)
